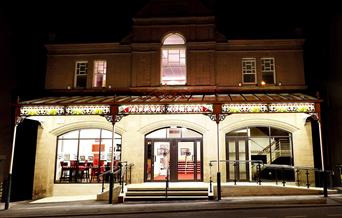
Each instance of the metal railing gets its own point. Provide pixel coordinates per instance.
(167, 181)
(122, 173)
(275, 172)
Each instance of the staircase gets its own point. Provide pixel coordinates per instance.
(159, 194)
(280, 154)
(187, 167)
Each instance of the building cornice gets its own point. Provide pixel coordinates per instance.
(88, 48)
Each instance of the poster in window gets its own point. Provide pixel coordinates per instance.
(185, 152)
(103, 156)
(174, 133)
(90, 158)
(82, 158)
(67, 157)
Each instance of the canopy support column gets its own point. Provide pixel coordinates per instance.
(217, 116)
(18, 120)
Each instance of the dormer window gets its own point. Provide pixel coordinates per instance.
(173, 60)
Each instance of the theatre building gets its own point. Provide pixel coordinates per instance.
(179, 96)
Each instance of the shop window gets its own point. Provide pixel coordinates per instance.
(82, 155)
(173, 60)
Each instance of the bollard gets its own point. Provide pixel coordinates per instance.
(325, 184)
(298, 181)
(218, 186)
(111, 183)
(235, 173)
(259, 172)
(211, 185)
(283, 176)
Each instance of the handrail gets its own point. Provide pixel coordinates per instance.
(323, 173)
(234, 161)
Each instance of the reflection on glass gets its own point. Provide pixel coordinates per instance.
(185, 165)
(86, 153)
(149, 161)
(232, 156)
(198, 164)
(242, 156)
(161, 160)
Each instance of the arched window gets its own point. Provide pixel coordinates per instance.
(173, 60)
(259, 143)
(84, 154)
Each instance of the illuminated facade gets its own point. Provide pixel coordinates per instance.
(176, 92)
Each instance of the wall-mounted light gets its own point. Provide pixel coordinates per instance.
(263, 83)
(240, 84)
(279, 84)
(109, 86)
(68, 87)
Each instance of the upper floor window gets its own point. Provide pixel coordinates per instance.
(173, 60)
(249, 70)
(100, 70)
(268, 70)
(81, 74)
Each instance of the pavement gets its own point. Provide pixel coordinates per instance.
(87, 206)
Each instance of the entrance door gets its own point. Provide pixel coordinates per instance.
(180, 159)
(237, 149)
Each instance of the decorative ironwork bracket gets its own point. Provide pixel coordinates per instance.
(19, 120)
(116, 119)
(315, 116)
(217, 117)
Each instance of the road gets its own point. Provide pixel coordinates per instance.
(289, 212)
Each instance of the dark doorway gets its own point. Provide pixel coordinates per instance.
(24, 160)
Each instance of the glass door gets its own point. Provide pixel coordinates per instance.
(237, 150)
(181, 157)
(186, 161)
(161, 161)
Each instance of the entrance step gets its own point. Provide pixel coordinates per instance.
(159, 194)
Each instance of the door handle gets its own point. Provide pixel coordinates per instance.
(155, 158)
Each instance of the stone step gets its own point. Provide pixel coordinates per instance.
(170, 193)
(170, 189)
(163, 198)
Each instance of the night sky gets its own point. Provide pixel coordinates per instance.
(25, 28)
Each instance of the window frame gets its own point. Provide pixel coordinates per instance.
(95, 74)
(79, 138)
(243, 69)
(77, 75)
(168, 48)
(267, 71)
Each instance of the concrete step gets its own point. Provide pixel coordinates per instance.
(158, 193)
(170, 189)
(163, 198)
(170, 193)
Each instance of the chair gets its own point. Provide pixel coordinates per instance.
(65, 171)
(73, 170)
(83, 170)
